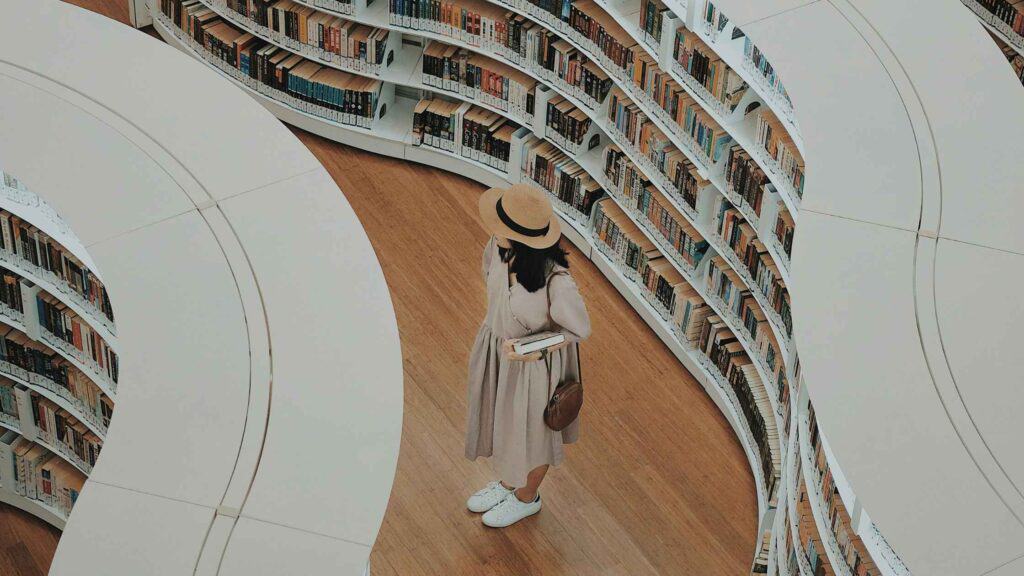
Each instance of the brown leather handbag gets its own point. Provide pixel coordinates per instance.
(564, 405)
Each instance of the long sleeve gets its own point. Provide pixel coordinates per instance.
(568, 310)
(488, 256)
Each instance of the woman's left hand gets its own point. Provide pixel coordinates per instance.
(510, 352)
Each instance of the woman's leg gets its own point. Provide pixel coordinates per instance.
(528, 493)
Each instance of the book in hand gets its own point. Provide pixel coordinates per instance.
(537, 342)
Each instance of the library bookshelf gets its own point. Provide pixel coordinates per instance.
(706, 268)
(59, 368)
(673, 111)
(230, 386)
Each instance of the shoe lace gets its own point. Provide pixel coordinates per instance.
(491, 487)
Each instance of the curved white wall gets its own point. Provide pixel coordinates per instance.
(906, 264)
(260, 405)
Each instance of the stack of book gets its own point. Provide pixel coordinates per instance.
(332, 37)
(713, 19)
(435, 123)
(320, 90)
(30, 244)
(722, 85)
(34, 472)
(1009, 13)
(487, 137)
(553, 170)
(8, 403)
(784, 230)
(812, 546)
(644, 200)
(638, 259)
(725, 353)
(854, 553)
(711, 140)
(776, 142)
(56, 318)
(555, 58)
(652, 17)
(10, 290)
(42, 367)
(567, 124)
(599, 29)
(61, 430)
(745, 179)
(756, 61)
(454, 69)
(471, 21)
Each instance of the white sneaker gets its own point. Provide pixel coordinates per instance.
(510, 511)
(488, 497)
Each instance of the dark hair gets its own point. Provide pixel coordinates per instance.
(532, 265)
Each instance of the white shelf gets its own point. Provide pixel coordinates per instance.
(997, 26)
(814, 494)
(55, 393)
(62, 291)
(44, 512)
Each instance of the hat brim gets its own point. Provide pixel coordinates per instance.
(494, 225)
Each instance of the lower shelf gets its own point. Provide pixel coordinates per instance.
(33, 507)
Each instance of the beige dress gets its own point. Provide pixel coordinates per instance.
(507, 397)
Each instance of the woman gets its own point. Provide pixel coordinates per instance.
(529, 290)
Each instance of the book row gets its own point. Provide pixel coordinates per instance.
(694, 321)
(572, 188)
(810, 539)
(302, 27)
(645, 201)
(854, 554)
(461, 128)
(32, 471)
(1009, 12)
(33, 363)
(328, 92)
(453, 69)
(28, 243)
(61, 326)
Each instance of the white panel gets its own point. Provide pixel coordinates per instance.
(184, 93)
(119, 533)
(976, 126)
(337, 367)
(855, 314)
(1013, 568)
(865, 169)
(979, 308)
(262, 549)
(95, 162)
(184, 362)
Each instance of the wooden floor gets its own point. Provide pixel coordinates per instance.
(658, 483)
(26, 544)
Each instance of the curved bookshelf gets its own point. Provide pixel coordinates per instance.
(573, 228)
(47, 430)
(389, 133)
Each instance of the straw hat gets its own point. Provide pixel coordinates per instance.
(521, 213)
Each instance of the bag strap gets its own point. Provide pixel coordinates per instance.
(547, 358)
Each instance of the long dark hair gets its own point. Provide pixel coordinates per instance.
(532, 265)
